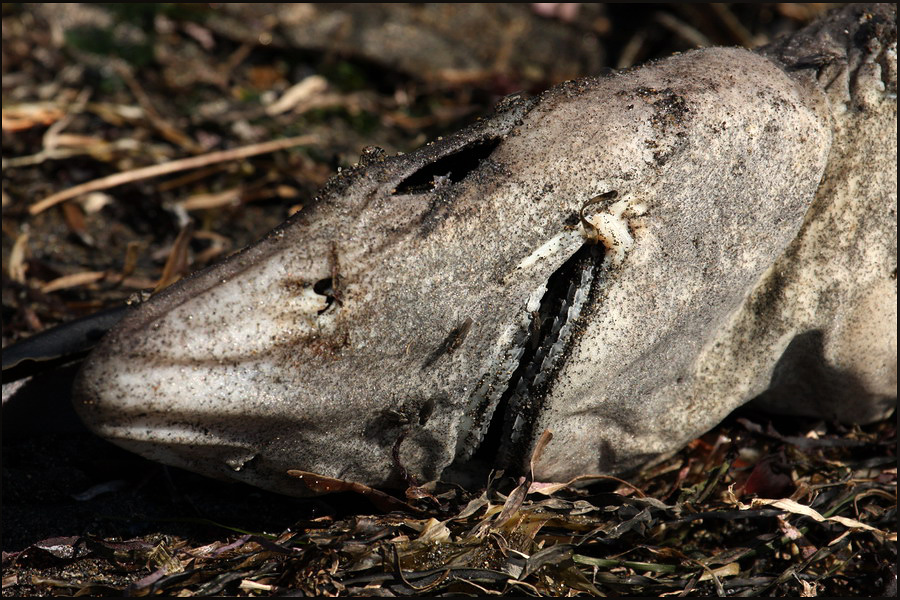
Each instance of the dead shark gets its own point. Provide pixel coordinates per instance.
(622, 261)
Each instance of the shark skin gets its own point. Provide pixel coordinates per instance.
(598, 261)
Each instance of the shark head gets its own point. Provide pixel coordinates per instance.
(564, 264)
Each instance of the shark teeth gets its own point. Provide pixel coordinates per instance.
(538, 350)
(535, 375)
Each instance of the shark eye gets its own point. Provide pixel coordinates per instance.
(325, 287)
(451, 168)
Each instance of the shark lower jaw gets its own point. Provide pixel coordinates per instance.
(532, 363)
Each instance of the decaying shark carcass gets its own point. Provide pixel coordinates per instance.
(622, 261)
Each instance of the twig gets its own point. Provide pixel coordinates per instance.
(170, 167)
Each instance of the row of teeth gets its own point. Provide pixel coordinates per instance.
(546, 359)
(484, 400)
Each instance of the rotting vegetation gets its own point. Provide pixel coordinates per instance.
(174, 83)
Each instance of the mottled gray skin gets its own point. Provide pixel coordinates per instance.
(716, 272)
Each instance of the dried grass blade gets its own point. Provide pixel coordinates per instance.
(800, 509)
(73, 280)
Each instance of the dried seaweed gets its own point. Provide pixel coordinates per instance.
(835, 536)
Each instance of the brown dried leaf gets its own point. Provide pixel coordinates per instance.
(25, 116)
(206, 201)
(177, 263)
(298, 94)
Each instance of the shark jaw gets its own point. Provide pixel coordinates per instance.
(541, 350)
(501, 418)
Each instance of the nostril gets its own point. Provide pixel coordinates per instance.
(325, 287)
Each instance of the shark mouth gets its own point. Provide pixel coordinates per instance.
(538, 353)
